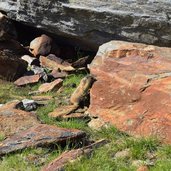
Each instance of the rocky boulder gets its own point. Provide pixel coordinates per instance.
(11, 67)
(133, 88)
(91, 23)
(7, 29)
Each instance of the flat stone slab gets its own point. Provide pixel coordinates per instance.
(70, 156)
(62, 111)
(39, 135)
(27, 80)
(133, 88)
(53, 86)
(13, 120)
(54, 63)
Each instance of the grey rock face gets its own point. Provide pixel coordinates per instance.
(93, 22)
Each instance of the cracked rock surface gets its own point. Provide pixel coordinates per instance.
(91, 23)
(133, 88)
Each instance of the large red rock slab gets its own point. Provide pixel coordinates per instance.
(133, 88)
(13, 120)
(39, 135)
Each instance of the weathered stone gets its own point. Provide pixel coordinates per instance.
(30, 60)
(74, 116)
(97, 124)
(42, 100)
(82, 62)
(53, 86)
(63, 110)
(57, 74)
(42, 45)
(91, 23)
(69, 156)
(123, 154)
(11, 66)
(27, 80)
(82, 90)
(7, 29)
(28, 105)
(39, 71)
(132, 90)
(39, 135)
(54, 63)
(13, 120)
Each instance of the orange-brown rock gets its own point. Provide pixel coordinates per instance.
(54, 63)
(133, 88)
(43, 45)
(70, 156)
(57, 74)
(27, 80)
(54, 85)
(13, 120)
(62, 111)
(40, 135)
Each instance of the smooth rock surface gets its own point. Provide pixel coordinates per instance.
(132, 90)
(91, 23)
(39, 135)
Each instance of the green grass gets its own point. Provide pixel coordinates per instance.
(102, 159)
(2, 137)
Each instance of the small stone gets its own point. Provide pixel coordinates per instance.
(40, 135)
(138, 163)
(53, 86)
(39, 71)
(57, 74)
(25, 80)
(74, 116)
(29, 105)
(30, 60)
(96, 124)
(62, 111)
(42, 100)
(143, 168)
(123, 154)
